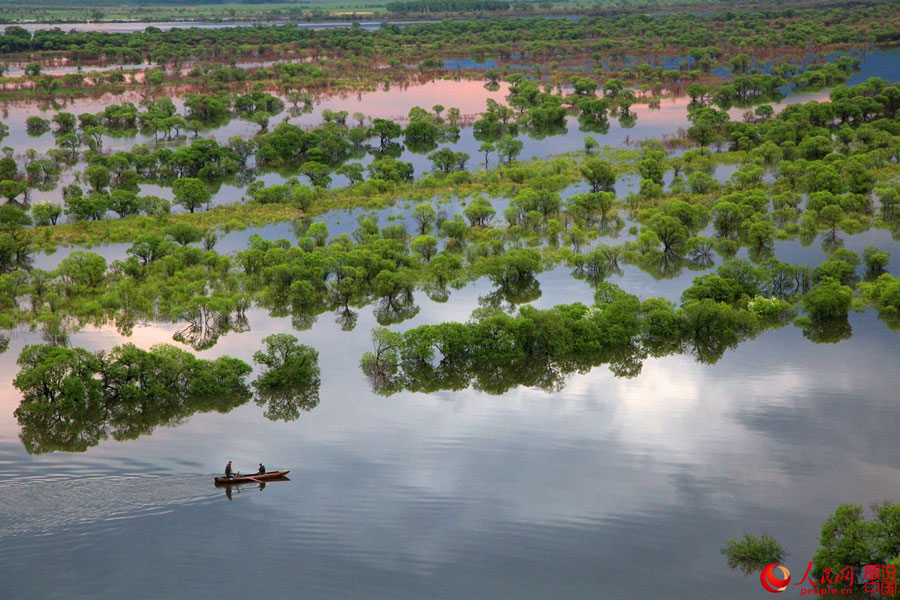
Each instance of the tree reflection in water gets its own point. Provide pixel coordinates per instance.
(495, 352)
(74, 399)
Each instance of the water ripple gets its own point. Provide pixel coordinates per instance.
(37, 507)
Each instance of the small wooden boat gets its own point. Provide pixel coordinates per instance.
(252, 478)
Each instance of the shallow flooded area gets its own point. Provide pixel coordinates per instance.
(603, 483)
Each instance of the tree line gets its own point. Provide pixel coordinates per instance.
(850, 547)
(446, 6)
(72, 399)
(736, 32)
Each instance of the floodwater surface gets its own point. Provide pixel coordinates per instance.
(607, 487)
(137, 26)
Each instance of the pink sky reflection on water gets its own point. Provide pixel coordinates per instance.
(468, 96)
(92, 338)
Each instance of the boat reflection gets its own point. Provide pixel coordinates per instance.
(259, 486)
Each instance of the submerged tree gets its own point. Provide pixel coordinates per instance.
(73, 399)
(191, 193)
(848, 540)
(751, 553)
(209, 318)
(290, 381)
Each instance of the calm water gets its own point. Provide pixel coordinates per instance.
(609, 488)
(134, 26)
(394, 103)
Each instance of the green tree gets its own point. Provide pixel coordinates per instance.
(65, 122)
(150, 247)
(12, 189)
(53, 376)
(446, 160)
(285, 361)
(876, 259)
(479, 212)
(510, 268)
(83, 269)
(389, 169)
(319, 174)
(92, 207)
(599, 174)
(508, 148)
(352, 171)
(425, 246)
(751, 553)
(304, 197)
(70, 143)
(727, 218)
(124, 203)
(191, 193)
(701, 183)
(98, 177)
(670, 231)
(828, 300)
(46, 213)
(847, 539)
(73, 399)
(486, 148)
(184, 233)
(387, 131)
(424, 216)
(35, 125)
(613, 87)
(651, 169)
(15, 246)
(831, 216)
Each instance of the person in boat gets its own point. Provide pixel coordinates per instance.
(228, 473)
(262, 470)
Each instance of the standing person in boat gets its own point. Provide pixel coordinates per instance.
(228, 470)
(262, 470)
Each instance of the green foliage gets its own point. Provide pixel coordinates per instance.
(15, 240)
(446, 160)
(479, 212)
(92, 207)
(290, 381)
(11, 190)
(828, 300)
(446, 6)
(98, 177)
(389, 169)
(508, 148)
(72, 399)
(876, 260)
(884, 294)
(847, 539)
(495, 351)
(191, 193)
(150, 247)
(425, 246)
(751, 553)
(46, 213)
(35, 125)
(598, 173)
(184, 233)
